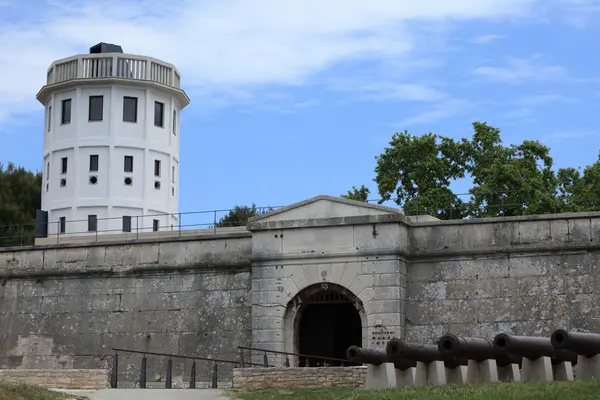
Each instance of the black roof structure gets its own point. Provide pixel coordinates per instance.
(105, 48)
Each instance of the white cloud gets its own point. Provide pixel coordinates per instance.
(520, 70)
(226, 46)
(445, 109)
(569, 135)
(485, 39)
(544, 98)
(388, 90)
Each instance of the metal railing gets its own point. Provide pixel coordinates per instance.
(459, 206)
(191, 361)
(115, 65)
(285, 359)
(139, 227)
(483, 204)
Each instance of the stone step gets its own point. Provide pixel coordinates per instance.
(148, 394)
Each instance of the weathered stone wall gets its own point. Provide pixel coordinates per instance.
(68, 307)
(360, 254)
(289, 378)
(525, 275)
(57, 379)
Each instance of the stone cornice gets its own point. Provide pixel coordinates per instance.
(324, 222)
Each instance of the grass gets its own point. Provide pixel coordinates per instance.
(28, 392)
(505, 391)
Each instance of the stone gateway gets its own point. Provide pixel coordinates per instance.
(311, 278)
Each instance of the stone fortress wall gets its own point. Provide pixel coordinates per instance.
(66, 306)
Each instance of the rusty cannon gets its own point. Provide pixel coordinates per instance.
(432, 367)
(376, 357)
(540, 360)
(486, 363)
(382, 372)
(587, 348)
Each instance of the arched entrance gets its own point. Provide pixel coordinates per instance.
(327, 321)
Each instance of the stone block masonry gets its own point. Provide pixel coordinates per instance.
(66, 308)
(289, 378)
(520, 275)
(57, 379)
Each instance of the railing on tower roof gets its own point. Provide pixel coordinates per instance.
(113, 65)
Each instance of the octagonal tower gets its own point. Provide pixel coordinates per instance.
(111, 144)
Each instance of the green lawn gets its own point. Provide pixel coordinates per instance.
(500, 391)
(27, 392)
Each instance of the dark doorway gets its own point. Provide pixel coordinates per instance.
(328, 328)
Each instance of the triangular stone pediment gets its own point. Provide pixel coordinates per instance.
(325, 207)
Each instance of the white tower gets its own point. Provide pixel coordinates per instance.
(111, 143)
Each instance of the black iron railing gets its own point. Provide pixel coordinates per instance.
(282, 359)
(114, 381)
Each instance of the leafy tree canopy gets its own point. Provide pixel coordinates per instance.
(20, 197)
(417, 171)
(240, 215)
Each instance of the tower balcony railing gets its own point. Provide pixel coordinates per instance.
(113, 65)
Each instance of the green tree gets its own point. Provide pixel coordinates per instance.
(416, 172)
(240, 215)
(358, 194)
(578, 191)
(513, 180)
(20, 197)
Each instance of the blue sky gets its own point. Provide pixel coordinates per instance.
(295, 98)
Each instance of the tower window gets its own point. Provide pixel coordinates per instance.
(49, 118)
(156, 167)
(96, 110)
(174, 122)
(155, 225)
(65, 115)
(126, 223)
(130, 105)
(128, 164)
(92, 223)
(63, 164)
(173, 173)
(47, 171)
(159, 114)
(93, 162)
(63, 224)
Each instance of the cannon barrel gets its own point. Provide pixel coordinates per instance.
(585, 344)
(532, 348)
(426, 353)
(474, 348)
(398, 349)
(376, 357)
(366, 356)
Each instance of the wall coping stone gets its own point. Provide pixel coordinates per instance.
(124, 242)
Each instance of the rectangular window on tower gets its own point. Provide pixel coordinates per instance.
(63, 224)
(63, 164)
(155, 225)
(126, 223)
(65, 113)
(174, 122)
(92, 223)
(94, 163)
(173, 173)
(49, 118)
(96, 109)
(156, 167)
(128, 164)
(130, 105)
(159, 114)
(47, 171)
